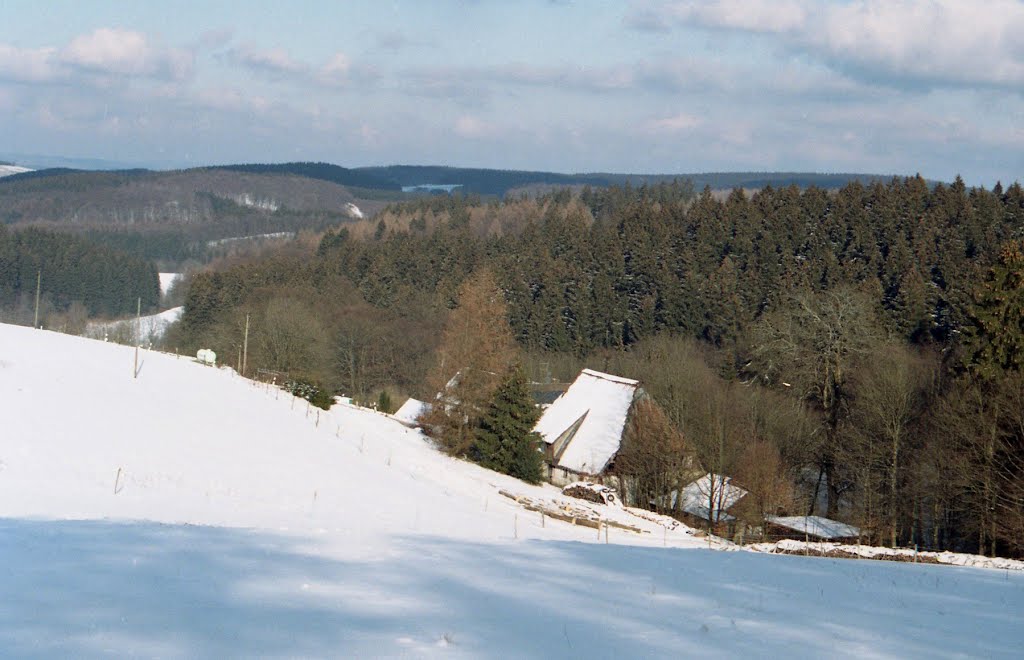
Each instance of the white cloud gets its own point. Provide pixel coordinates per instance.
(752, 15)
(339, 64)
(468, 126)
(125, 52)
(104, 52)
(277, 63)
(336, 71)
(931, 42)
(674, 124)
(273, 61)
(213, 39)
(28, 65)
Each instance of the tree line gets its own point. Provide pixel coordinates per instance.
(71, 271)
(852, 353)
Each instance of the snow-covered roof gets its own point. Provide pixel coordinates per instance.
(409, 411)
(600, 403)
(696, 495)
(822, 528)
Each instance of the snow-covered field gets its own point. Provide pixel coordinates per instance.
(187, 512)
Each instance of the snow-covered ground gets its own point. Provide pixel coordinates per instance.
(145, 329)
(354, 211)
(181, 511)
(166, 281)
(832, 549)
(255, 237)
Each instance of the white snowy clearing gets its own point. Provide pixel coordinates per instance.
(167, 280)
(187, 512)
(8, 170)
(255, 237)
(145, 329)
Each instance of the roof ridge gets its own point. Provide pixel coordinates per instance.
(610, 377)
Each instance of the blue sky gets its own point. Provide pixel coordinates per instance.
(929, 86)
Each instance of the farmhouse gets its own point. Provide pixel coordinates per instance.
(583, 429)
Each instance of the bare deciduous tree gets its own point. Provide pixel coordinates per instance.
(890, 391)
(654, 459)
(985, 424)
(812, 347)
(290, 336)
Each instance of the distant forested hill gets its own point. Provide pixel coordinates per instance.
(500, 182)
(490, 182)
(171, 215)
(139, 197)
(480, 181)
(322, 171)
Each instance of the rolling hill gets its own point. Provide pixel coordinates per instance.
(136, 198)
(500, 182)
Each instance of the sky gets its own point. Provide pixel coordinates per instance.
(920, 86)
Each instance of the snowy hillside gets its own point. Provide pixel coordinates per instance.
(146, 329)
(181, 511)
(7, 170)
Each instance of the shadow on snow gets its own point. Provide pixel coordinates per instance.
(99, 588)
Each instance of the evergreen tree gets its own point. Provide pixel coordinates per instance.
(504, 440)
(995, 336)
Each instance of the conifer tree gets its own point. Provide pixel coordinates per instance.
(995, 336)
(505, 441)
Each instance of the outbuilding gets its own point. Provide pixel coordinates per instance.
(814, 528)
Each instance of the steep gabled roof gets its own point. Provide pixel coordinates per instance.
(822, 528)
(696, 498)
(410, 411)
(598, 405)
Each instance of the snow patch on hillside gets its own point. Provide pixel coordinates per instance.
(256, 202)
(167, 280)
(256, 237)
(146, 329)
(8, 170)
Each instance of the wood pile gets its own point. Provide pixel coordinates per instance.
(569, 512)
(590, 492)
(668, 522)
(810, 550)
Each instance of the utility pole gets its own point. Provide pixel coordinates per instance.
(138, 338)
(245, 346)
(39, 281)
